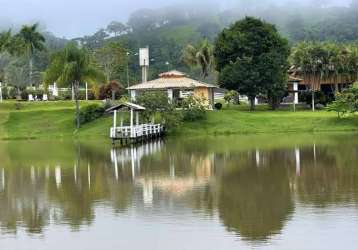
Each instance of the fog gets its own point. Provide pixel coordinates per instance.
(73, 18)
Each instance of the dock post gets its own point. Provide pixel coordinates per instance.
(131, 122)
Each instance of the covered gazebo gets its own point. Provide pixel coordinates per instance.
(134, 130)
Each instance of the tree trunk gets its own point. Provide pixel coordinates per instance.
(252, 103)
(113, 95)
(75, 88)
(336, 88)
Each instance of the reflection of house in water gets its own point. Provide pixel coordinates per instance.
(201, 169)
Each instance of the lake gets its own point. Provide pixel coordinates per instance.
(234, 192)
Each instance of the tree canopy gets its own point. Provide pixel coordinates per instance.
(251, 57)
(71, 67)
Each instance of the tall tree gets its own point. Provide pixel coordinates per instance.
(325, 61)
(32, 40)
(72, 67)
(117, 28)
(251, 58)
(5, 41)
(200, 55)
(110, 57)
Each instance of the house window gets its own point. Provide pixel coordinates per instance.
(186, 93)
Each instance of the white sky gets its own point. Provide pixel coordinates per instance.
(71, 18)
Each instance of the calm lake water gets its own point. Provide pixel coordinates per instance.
(283, 192)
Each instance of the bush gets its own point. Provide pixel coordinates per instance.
(218, 106)
(231, 96)
(12, 93)
(108, 91)
(346, 102)
(65, 95)
(194, 108)
(157, 103)
(24, 94)
(154, 102)
(91, 113)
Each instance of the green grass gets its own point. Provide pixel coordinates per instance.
(240, 121)
(56, 120)
(38, 120)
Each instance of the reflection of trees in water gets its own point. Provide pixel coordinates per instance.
(250, 191)
(31, 197)
(255, 201)
(331, 178)
(21, 203)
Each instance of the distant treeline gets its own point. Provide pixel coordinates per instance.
(167, 31)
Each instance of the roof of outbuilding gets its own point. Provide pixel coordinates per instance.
(127, 105)
(171, 79)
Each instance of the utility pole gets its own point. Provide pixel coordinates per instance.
(128, 69)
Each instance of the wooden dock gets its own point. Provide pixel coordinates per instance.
(134, 132)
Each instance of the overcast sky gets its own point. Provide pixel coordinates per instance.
(72, 18)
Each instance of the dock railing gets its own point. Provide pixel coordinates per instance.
(136, 131)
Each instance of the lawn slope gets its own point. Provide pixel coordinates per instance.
(54, 120)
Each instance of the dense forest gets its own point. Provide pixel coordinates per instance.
(167, 31)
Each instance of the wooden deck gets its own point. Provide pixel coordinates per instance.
(136, 133)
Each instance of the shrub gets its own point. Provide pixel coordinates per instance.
(113, 90)
(65, 95)
(172, 119)
(231, 96)
(194, 108)
(154, 102)
(24, 94)
(218, 106)
(157, 103)
(91, 113)
(346, 102)
(12, 93)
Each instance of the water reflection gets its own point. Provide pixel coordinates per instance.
(253, 191)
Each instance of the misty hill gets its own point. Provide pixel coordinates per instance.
(168, 30)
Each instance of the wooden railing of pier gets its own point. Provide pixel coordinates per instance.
(136, 133)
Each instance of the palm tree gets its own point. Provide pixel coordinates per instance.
(311, 59)
(71, 67)
(31, 40)
(201, 56)
(5, 41)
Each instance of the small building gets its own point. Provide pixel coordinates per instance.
(334, 82)
(134, 131)
(178, 86)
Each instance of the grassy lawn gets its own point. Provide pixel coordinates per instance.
(238, 120)
(56, 120)
(38, 120)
